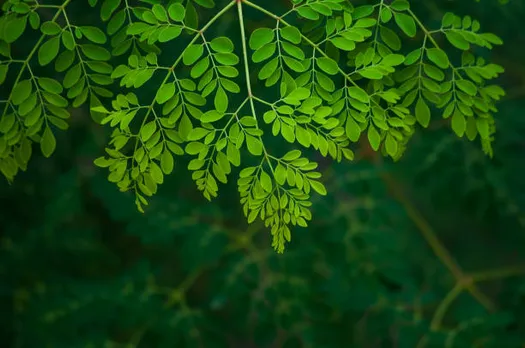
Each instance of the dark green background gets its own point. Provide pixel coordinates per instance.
(80, 267)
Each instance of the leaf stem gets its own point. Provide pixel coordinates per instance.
(435, 244)
(504, 272)
(247, 73)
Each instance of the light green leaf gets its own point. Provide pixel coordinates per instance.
(221, 45)
(48, 51)
(318, 187)
(169, 33)
(328, 65)
(254, 145)
(458, 123)
(47, 143)
(160, 12)
(234, 155)
(352, 129)
(391, 145)
(261, 37)
(266, 181)
(221, 100)
(211, 116)
(21, 91)
(467, 87)
(438, 57)
(177, 12)
(165, 93)
(422, 112)
(94, 34)
(457, 40)
(166, 162)
(50, 85)
(373, 137)
(192, 54)
(406, 23)
(147, 130)
(95, 52)
(291, 34)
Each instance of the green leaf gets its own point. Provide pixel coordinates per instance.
(72, 76)
(458, 123)
(160, 12)
(147, 130)
(467, 87)
(406, 23)
(94, 34)
(292, 155)
(359, 94)
(234, 155)
(166, 162)
(103, 162)
(221, 100)
(68, 40)
(50, 85)
(266, 181)
(318, 187)
(191, 18)
(254, 145)
(422, 112)
(48, 142)
(177, 12)
(108, 7)
(457, 40)
(328, 65)
(391, 145)
(21, 92)
(194, 147)
(352, 129)
(268, 69)
(390, 38)
(34, 20)
(14, 28)
(493, 39)
(205, 3)
(264, 52)
(169, 33)
(192, 54)
(261, 37)
(95, 52)
(165, 93)
(3, 72)
(400, 5)
(222, 45)
(50, 28)
(7, 123)
(291, 34)
(211, 116)
(307, 13)
(438, 57)
(48, 51)
(373, 137)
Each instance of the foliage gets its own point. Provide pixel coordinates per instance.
(425, 252)
(328, 72)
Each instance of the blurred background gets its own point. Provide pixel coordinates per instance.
(425, 252)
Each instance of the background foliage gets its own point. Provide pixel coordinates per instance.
(426, 252)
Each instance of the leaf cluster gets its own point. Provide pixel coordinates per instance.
(321, 75)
